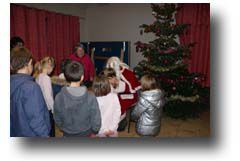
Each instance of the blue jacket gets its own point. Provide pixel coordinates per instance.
(28, 111)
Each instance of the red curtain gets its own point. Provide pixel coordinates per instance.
(45, 33)
(198, 16)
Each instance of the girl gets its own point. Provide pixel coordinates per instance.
(43, 69)
(115, 84)
(149, 108)
(109, 107)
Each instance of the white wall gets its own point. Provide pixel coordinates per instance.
(119, 22)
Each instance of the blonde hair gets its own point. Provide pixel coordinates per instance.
(40, 65)
(148, 83)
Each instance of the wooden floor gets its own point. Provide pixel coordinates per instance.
(174, 128)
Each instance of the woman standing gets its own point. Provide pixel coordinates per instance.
(79, 55)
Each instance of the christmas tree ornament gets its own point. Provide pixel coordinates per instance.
(154, 13)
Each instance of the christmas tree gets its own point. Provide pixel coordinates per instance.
(167, 60)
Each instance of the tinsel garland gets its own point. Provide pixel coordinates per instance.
(183, 98)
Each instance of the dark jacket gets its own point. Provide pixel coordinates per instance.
(148, 112)
(28, 112)
(77, 115)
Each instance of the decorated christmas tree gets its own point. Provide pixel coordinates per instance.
(167, 60)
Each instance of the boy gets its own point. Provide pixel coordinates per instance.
(28, 115)
(76, 111)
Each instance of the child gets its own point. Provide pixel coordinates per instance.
(28, 114)
(16, 42)
(149, 108)
(76, 110)
(117, 86)
(43, 69)
(63, 64)
(109, 107)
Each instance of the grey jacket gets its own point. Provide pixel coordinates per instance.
(77, 115)
(148, 112)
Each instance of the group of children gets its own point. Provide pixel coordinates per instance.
(76, 110)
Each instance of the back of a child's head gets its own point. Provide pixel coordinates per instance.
(40, 65)
(73, 71)
(101, 86)
(108, 72)
(19, 58)
(149, 82)
(16, 41)
(63, 64)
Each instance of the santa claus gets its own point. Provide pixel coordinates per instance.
(126, 88)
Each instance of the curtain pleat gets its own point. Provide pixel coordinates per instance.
(198, 16)
(45, 33)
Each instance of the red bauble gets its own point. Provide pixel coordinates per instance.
(170, 50)
(165, 61)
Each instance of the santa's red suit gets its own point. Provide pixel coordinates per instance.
(127, 90)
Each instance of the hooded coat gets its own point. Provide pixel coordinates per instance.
(148, 112)
(28, 111)
(76, 112)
